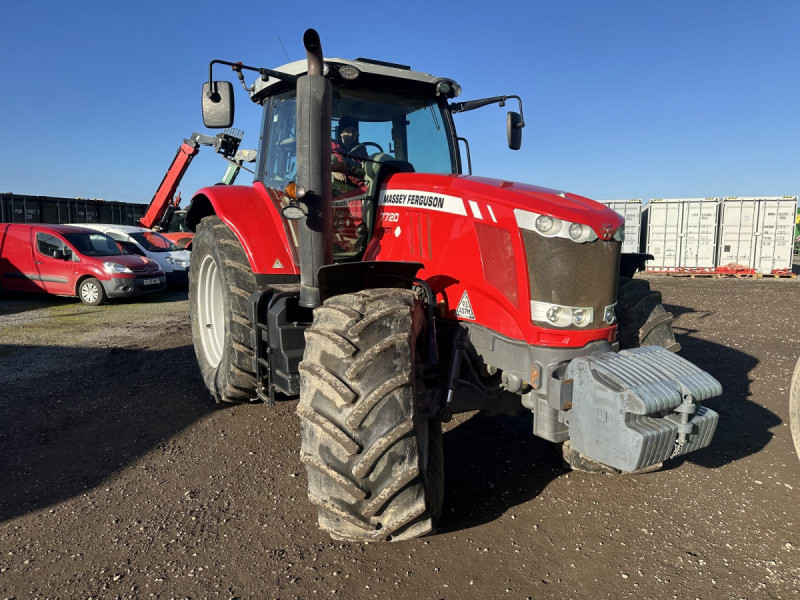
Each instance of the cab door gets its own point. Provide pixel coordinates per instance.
(55, 262)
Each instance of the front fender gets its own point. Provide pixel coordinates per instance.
(251, 214)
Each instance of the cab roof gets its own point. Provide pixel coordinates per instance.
(365, 66)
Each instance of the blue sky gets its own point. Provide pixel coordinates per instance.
(622, 98)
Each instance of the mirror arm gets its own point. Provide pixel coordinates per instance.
(521, 123)
(458, 107)
(238, 66)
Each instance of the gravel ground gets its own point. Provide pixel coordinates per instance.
(119, 478)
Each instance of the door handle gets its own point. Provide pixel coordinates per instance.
(38, 262)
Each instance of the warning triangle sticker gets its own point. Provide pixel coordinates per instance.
(464, 309)
(277, 264)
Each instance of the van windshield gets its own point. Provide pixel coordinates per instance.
(93, 244)
(154, 242)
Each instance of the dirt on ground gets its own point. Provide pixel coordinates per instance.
(120, 478)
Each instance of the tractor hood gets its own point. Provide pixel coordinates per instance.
(512, 195)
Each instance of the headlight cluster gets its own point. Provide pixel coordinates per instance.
(178, 262)
(554, 227)
(112, 267)
(619, 235)
(561, 316)
(564, 316)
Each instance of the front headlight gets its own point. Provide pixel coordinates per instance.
(178, 262)
(620, 234)
(112, 267)
(553, 227)
(561, 316)
(548, 225)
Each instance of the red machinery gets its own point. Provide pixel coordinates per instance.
(419, 293)
(164, 214)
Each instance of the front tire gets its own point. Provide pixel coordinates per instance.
(91, 292)
(374, 464)
(220, 283)
(641, 318)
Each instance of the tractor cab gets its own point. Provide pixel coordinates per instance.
(402, 121)
(393, 120)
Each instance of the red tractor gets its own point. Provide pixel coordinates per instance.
(417, 293)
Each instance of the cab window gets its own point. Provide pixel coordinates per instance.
(54, 247)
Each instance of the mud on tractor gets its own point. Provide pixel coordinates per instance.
(418, 293)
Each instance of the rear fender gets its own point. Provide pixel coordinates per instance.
(252, 215)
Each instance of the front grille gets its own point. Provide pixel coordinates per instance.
(564, 272)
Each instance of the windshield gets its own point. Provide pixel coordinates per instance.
(404, 128)
(368, 129)
(93, 244)
(154, 242)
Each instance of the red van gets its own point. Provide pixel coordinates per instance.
(72, 261)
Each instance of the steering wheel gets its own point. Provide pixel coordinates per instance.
(364, 145)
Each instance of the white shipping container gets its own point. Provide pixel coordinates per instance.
(681, 234)
(631, 211)
(757, 234)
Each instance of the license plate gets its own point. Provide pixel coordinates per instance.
(150, 282)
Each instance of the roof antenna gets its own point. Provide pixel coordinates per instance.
(284, 49)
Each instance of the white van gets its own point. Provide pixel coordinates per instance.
(146, 242)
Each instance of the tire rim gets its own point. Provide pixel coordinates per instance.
(89, 293)
(210, 310)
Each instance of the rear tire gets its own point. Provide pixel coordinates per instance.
(91, 292)
(641, 318)
(375, 466)
(220, 283)
(794, 408)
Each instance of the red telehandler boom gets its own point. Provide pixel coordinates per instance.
(164, 212)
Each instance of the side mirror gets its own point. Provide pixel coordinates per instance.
(58, 254)
(218, 104)
(514, 127)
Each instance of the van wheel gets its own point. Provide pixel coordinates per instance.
(91, 292)
(374, 463)
(220, 283)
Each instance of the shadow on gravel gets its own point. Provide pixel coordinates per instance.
(492, 464)
(12, 303)
(19, 302)
(63, 433)
(744, 426)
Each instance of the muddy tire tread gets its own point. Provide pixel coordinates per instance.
(359, 441)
